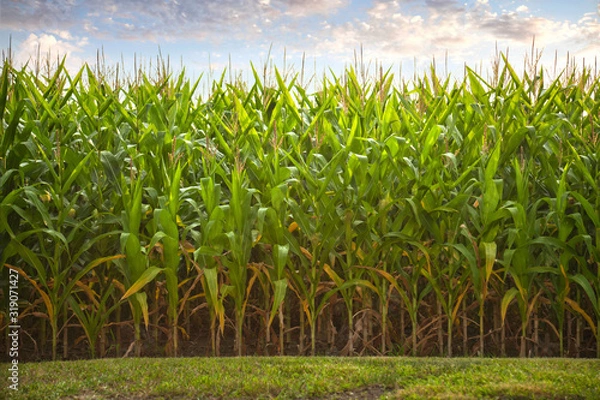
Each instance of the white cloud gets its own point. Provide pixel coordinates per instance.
(390, 30)
(161, 20)
(588, 35)
(21, 15)
(301, 8)
(51, 46)
(380, 10)
(393, 32)
(404, 35)
(66, 35)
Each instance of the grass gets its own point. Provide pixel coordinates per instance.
(308, 378)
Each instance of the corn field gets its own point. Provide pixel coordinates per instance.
(369, 216)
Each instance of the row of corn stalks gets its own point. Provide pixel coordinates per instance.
(438, 216)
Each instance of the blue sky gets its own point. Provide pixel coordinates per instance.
(397, 33)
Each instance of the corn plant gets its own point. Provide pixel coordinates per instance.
(354, 202)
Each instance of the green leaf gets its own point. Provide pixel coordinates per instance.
(280, 257)
(147, 276)
(586, 285)
(489, 249)
(142, 300)
(112, 169)
(280, 291)
(78, 169)
(506, 300)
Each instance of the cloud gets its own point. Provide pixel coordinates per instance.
(444, 6)
(45, 14)
(587, 37)
(51, 46)
(300, 8)
(158, 20)
(172, 19)
(389, 30)
(510, 26)
(393, 30)
(404, 29)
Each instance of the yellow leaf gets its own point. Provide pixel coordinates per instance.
(585, 315)
(45, 298)
(306, 253)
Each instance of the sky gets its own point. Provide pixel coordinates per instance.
(211, 35)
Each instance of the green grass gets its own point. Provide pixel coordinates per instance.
(313, 378)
